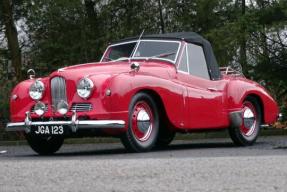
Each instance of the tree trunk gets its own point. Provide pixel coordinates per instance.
(91, 13)
(162, 27)
(129, 17)
(91, 31)
(12, 37)
(263, 34)
(243, 57)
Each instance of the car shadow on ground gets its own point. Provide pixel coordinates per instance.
(116, 150)
(120, 150)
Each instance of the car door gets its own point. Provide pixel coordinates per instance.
(204, 96)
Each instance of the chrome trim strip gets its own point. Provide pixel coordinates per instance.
(101, 124)
(264, 125)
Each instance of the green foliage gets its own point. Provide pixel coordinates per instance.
(5, 87)
(68, 32)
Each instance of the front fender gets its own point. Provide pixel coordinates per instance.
(126, 85)
(20, 101)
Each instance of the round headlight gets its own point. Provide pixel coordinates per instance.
(36, 90)
(39, 108)
(85, 87)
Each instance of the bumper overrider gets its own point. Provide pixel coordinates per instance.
(74, 124)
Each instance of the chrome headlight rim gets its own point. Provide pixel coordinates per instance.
(85, 87)
(36, 90)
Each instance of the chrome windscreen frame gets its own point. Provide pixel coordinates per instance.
(146, 58)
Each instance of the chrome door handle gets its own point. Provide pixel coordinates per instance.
(212, 89)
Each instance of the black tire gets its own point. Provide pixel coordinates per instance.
(45, 146)
(141, 135)
(165, 137)
(237, 133)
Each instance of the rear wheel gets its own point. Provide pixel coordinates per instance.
(45, 146)
(247, 133)
(143, 127)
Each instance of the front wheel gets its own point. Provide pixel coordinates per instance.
(247, 133)
(165, 137)
(143, 127)
(45, 146)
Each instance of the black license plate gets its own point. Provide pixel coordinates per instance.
(48, 130)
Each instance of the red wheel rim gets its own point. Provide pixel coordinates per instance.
(249, 119)
(142, 121)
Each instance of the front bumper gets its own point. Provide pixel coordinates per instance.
(280, 117)
(74, 124)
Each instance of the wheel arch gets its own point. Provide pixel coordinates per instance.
(260, 103)
(166, 92)
(159, 102)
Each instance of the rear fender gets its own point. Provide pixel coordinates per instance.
(239, 90)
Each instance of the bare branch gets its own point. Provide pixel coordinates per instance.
(274, 41)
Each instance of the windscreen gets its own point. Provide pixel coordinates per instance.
(119, 51)
(157, 49)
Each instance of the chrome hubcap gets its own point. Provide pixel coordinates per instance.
(142, 121)
(249, 121)
(144, 124)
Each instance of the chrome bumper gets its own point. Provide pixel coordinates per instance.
(280, 117)
(74, 124)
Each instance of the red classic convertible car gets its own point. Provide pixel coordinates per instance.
(143, 90)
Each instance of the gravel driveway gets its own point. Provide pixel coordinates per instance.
(198, 165)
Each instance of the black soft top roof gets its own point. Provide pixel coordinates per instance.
(190, 37)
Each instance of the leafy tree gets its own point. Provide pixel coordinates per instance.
(7, 18)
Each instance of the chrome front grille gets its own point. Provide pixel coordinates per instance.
(81, 107)
(58, 91)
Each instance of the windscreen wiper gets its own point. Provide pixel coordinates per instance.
(162, 55)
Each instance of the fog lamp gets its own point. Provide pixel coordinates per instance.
(39, 108)
(62, 107)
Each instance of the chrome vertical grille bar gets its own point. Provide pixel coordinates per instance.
(58, 90)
